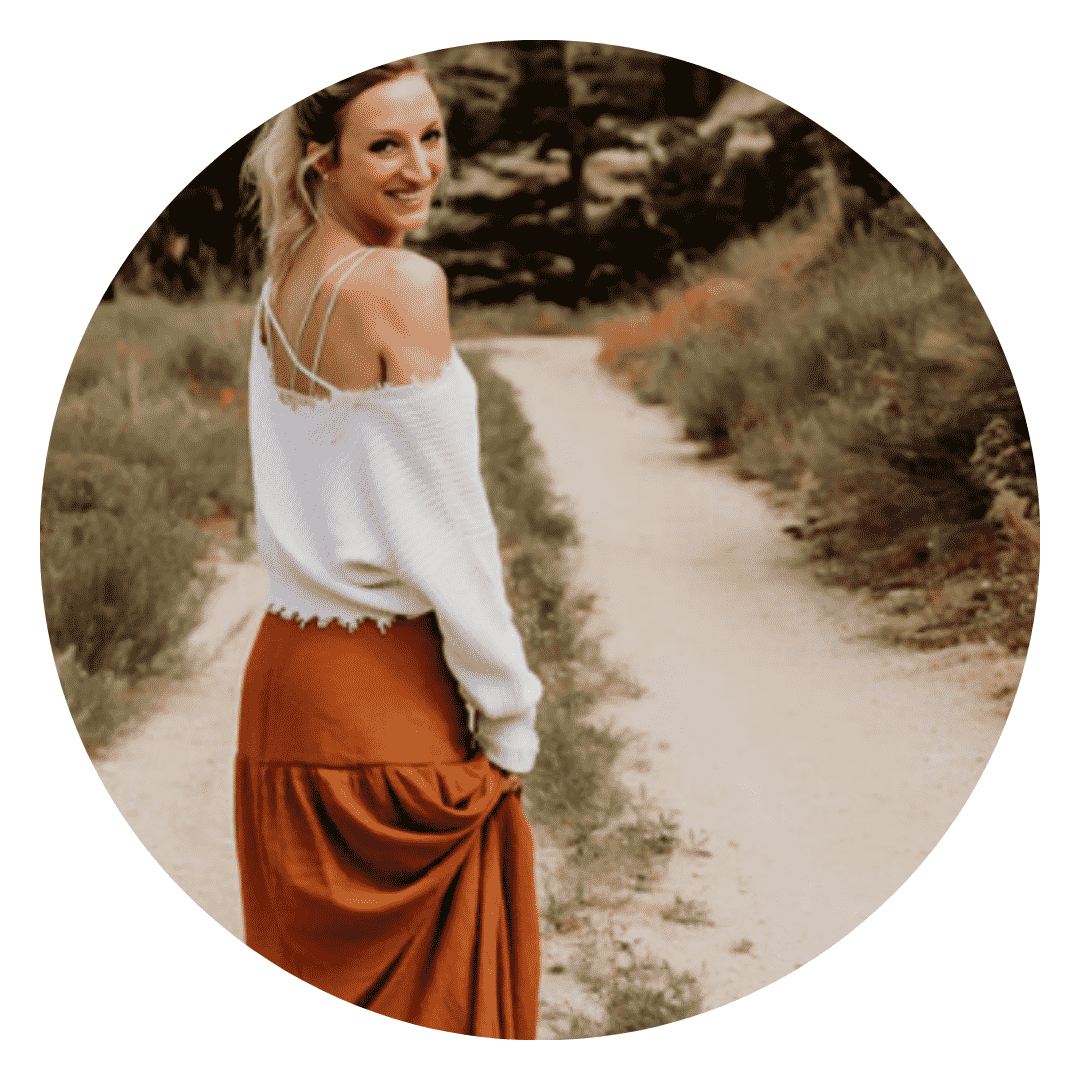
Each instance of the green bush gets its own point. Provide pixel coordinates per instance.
(119, 588)
(100, 704)
(141, 448)
(199, 456)
(878, 389)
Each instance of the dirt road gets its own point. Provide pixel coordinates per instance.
(823, 768)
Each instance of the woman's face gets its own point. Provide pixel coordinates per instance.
(392, 151)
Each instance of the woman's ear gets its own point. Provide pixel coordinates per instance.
(321, 163)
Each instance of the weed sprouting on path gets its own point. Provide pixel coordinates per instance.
(630, 991)
(686, 913)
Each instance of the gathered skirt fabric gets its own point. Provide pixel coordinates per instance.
(381, 858)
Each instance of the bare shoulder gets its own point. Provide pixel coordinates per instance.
(397, 300)
(397, 273)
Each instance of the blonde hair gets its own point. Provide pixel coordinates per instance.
(279, 173)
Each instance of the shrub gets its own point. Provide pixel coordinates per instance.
(199, 456)
(134, 460)
(100, 704)
(873, 384)
(648, 993)
(119, 588)
(631, 992)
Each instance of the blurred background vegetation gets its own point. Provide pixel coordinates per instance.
(743, 267)
(579, 173)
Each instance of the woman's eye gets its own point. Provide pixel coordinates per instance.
(386, 144)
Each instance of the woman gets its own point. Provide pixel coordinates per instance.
(387, 705)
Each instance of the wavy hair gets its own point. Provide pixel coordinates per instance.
(280, 176)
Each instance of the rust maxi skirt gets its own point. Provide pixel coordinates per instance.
(380, 859)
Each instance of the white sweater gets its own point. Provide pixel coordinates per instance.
(370, 505)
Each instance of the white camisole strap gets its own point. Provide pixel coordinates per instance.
(332, 390)
(315, 292)
(329, 308)
(297, 366)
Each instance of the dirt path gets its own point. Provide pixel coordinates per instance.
(824, 769)
(172, 777)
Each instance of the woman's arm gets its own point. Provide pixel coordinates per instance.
(421, 475)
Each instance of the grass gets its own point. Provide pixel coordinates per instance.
(100, 704)
(686, 913)
(526, 315)
(572, 789)
(614, 842)
(629, 992)
(148, 447)
(870, 386)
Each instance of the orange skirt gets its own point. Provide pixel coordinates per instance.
(381, 859)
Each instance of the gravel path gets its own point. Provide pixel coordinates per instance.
(822, 768)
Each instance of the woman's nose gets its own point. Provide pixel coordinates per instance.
(421, 163)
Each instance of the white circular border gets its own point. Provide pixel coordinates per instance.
(111, 109)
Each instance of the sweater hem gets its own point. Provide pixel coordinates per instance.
(323, 621)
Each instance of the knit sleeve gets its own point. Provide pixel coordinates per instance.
(420, 473)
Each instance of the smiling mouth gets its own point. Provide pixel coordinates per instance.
(411, 198)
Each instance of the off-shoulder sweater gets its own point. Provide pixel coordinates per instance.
(370, 505)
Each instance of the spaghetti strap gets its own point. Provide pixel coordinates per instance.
(297, 365)
(329, 308)
(318, 285)
(292, 356)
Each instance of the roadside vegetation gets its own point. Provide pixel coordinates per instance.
(147, 473)
(867, 386)
(608, 842)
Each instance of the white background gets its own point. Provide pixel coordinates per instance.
(968, 970)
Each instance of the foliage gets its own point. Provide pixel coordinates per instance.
(119, 588)
(100, 704)
(572, 786)
(873, 387)
(632, 992)
(150, 438)
(687, 913)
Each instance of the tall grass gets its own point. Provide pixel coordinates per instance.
(150, 439)
(573, 788)
(872, 386)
